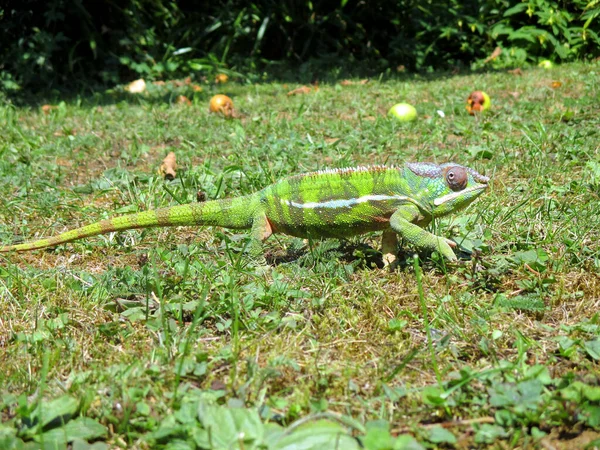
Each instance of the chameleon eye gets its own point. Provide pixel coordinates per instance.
(457, 178)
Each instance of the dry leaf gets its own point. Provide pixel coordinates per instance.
(196, 88)
(350, 83)
(221, 78)
(516, 71)
(183, 100)
(556, 84)
(65, 132)
(300, 90)
(217, 385)
(497, 52)
(63, 162)
(159, 83)
(168, 167)
(184, 82)
(136, 87)
(47, 108)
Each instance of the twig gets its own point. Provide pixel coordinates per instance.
(346, 421)
(449, 424)
(528, 267)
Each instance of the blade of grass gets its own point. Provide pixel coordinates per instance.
(419, 276)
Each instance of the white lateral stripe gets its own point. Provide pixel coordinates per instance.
(448, 197)
(345, 203)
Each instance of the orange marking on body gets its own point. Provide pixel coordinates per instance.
(106, 225)
(268, 230)
(381, 219)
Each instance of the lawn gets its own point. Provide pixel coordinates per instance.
(174, 338)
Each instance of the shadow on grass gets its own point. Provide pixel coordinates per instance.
(92, 94)
(363, 256)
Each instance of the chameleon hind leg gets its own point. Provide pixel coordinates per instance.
(261, 230)
(403, 222)
(389, 247)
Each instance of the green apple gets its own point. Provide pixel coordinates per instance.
(403, 112)
(545, 64)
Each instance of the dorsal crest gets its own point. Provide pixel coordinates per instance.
(345, 171)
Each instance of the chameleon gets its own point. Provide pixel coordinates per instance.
(400, 201)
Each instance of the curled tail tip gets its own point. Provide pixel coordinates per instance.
(12, 249)
(8, 248)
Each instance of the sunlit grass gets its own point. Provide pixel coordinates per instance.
(136, 325)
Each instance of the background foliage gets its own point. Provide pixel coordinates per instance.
(63, 41)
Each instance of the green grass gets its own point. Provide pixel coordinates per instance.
(157, 338)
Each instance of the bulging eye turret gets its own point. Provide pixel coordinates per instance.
(457, 178)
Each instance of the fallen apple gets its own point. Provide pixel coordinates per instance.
(545, 64)
(136, 87)
(183, 100)
(478, 101)
(221, 104)
(403, 112)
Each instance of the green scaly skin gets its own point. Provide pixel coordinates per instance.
(399, 201)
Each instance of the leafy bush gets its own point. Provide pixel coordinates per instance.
(61, 41)
(563, 30)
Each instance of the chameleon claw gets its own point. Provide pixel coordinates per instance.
(451, 258)
(389, 261)
(451, 243)
(445, 248)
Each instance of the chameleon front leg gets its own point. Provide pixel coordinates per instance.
(402, 223)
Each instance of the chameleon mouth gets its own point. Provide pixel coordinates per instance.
(453, 195)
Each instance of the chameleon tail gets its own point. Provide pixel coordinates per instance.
(235, 213)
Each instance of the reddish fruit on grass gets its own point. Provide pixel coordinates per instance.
(221, 104)
(183, 100)
(478, 101)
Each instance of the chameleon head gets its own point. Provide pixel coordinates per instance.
(451, 186)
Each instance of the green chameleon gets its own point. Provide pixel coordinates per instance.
(334, 203)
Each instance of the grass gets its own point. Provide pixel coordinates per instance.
(172, 338)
